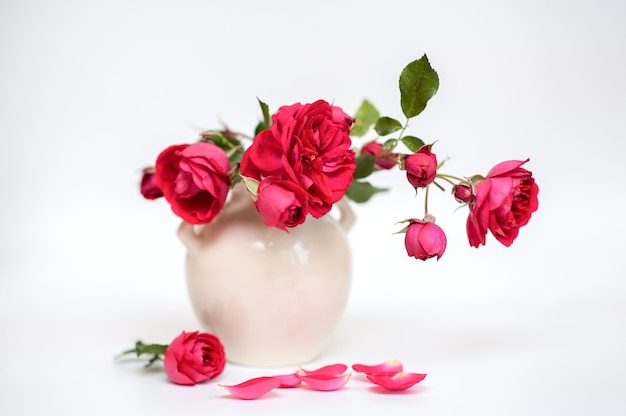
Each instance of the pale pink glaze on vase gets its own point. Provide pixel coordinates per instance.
(273, 298)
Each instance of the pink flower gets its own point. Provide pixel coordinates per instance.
(421, 167)
(308, 145)
(504, 202)
(149, 187)
(193, 357)
(281, 203)
(194, 180)
(384, 159)
(424, 240)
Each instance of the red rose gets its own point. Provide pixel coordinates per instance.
(308, 145)
(280, 203)
(194, 180)
(503, 202)
(193, 357)
(424, 240)
(384, 159)
(149, 187)
(421, 168)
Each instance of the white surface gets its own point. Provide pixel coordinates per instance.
(92, 91)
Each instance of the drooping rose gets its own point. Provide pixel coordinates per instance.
(194, 180)
(309, 145)
(193, 357)
(149, 187)
(424, 240)
(384, 159)
(421, 167)
(281, 203)
(504, 201)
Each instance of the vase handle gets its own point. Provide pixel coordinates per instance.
(187, 234)
(346, 214)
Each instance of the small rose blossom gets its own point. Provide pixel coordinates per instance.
(384, 159)
(194, 180)
(421, 167)
(149, 187)
(424, 240)
(280, 203)
(193, 357)
(504, 202)
(463, 193)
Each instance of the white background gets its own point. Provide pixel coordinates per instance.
(90, 92)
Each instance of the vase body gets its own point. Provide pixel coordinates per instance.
(273, 298)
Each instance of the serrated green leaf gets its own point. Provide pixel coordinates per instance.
(267, 120)
(365, 116)
(389, 145)
(419, 82)
(387, 125)
(362, 191)
(412, 143)
(364, 166)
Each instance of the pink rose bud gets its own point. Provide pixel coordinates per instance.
(193, 357)
(384, 159)
(149, 187)
(424, 240)
(421, 167)
(463, 193)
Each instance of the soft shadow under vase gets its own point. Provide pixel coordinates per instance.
(273, 298)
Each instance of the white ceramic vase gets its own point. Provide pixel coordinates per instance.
(273, 298)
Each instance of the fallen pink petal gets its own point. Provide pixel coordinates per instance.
(332, 370)
(325, 382)
(253, 388)
(288, 380)
(400, 381)
(387, 368)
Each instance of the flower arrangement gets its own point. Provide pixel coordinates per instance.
(305, 158)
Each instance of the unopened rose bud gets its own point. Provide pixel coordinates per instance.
(463, 193)
(384, 159)
(149, 187)
(424, 240)
(421, 168)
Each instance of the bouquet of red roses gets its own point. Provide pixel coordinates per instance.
(303, 159)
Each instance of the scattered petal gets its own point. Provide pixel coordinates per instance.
(388, 368)
(288, 380)
(400, 381)
(325, 382)
(253, 388)
(331, 370)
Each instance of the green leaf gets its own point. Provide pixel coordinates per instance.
(364, 166)
(387, 125)
(365, 116)
(418, 83)
(389, 145)
(412, 143)
(362, 191)
(267, 120)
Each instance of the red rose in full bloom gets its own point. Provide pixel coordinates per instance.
(280, 203)
(308, 145)
(424, 240)
(384, 159)
(504, 201)
(421, 167)
(193, 357)
(194, 180)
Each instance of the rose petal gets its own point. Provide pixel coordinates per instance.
(288, 380)
(332, 370)
(400, 381)
(388, 368)
(325, 382)
(253, 388)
